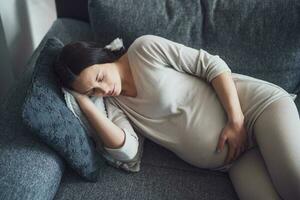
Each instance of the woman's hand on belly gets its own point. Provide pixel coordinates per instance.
(234, 133)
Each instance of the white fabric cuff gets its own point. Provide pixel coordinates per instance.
(129, 149)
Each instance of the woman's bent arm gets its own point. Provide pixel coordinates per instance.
(114, 131)
(234, 132)
(111, 135)
(227, 93)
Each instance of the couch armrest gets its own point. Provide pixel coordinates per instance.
(66, 30)
(29, 169)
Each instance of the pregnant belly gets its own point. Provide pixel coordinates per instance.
(203, 125)
(207, 117)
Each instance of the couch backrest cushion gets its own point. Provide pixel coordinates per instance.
(129, 19)
(47, 116)
(255, 38)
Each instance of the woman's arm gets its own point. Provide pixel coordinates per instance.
(227, 93)
(111, 135)
(114, 131)
(234, 132)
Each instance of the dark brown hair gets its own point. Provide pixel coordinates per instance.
(76, 56)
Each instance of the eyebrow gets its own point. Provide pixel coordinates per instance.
(86, 93)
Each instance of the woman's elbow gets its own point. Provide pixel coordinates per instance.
(132, 151)
(132, 143)
(127, 155)
(128, 151)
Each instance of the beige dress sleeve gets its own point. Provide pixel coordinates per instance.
(168, 53)
(130, 147)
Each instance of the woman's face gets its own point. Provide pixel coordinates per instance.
(98, 80)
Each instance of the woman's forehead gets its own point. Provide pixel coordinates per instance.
(84, 80)
(86, 71)
(91, 70)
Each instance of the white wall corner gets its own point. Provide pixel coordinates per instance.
(25, 23)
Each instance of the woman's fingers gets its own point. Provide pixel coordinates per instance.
(221, 143)
(243, 148)
(230, 154)
(237, 153)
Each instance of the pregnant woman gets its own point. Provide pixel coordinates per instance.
(190, 102)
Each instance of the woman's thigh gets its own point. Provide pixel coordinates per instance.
(277, 134)
(251, 178)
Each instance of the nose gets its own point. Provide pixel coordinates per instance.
(105, 90)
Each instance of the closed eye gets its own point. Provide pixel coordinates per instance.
(102, 78)
(94, 89)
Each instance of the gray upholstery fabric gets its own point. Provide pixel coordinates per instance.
(29, 169)
(163, 176)
(48, 117)
(256, 38)
(208, 24)
(175, 19)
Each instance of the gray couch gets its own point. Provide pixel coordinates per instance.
(29, 169)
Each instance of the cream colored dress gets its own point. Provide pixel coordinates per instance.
(176, 105)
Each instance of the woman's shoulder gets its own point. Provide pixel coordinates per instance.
(144, 41)
(145, 57)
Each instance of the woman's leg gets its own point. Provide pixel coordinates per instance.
(277, 133)
(251, 178)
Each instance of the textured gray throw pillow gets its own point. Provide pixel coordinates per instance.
(130, 166)
(47, 116)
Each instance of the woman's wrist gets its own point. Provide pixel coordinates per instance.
(84, 102)
(236, 118)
